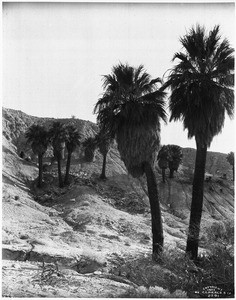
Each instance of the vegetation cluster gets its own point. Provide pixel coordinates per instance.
(180, 277)
(169, 156)
(59, 136)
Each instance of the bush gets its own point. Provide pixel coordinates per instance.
(220, 232)
(176, 276)
(183, 273)
(219, 268)
(153, 292)
(214, 268)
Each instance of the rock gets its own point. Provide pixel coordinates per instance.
(110, 236)
(69, 272)
(91, 231)
(16, 266)
(97, 273)
(141, 210)
(24, 236)
(12, 254)
(50, 222)
(87, 266)
(85, 203)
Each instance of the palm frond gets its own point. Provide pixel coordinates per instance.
(72, 137)
(38, 136)
(133, 102)
(201, 83)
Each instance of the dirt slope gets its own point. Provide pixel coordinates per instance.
(60, 242)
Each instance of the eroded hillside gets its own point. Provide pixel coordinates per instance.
(91, 228)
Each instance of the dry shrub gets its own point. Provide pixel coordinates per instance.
(176, 275)
(214, 268)
(219, 263)
(92, 255)
(221, 232)
(153, 292)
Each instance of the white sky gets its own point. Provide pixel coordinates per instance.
(55, 53)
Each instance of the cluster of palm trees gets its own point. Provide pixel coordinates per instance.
(201, 92)
(89, 145)
(102, 142)
(169, 156)
(59, 136)
(37, 135)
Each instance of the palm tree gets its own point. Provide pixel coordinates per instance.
(58, 136)
(201, 92)
(89, 145)
(163, 158)
(37, 135)
(103, 142)
(230, 159)
(175, 158)
(72, 140)
(130, 110)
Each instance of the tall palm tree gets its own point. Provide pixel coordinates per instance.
(103, 142)
(130, 110)
(89, 145)
(230, 159)
(72, 140)
(175, 158)
(58, 136)
(37, 135)
(163, 159)
(201, 93)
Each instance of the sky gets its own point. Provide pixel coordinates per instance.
(54, 54)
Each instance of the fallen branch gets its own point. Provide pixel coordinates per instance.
(117, 278)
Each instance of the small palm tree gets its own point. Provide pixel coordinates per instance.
(37, 135)
(72, 140)
(57, 135)
(230, 159)
(175, 158)
(130, 111)
(201, 93)
(89, 145)
(103, 142)
(163, 159)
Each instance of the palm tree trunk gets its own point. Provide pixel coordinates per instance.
(163, 175)
(68, 167)
(103, 174)
(157, 230)
(40, 161)
(233, 172)
(171, 173)
(59, 171)
(89, 155)
(197, 201)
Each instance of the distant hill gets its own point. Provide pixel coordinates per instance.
(16, 122)
(216, 163)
